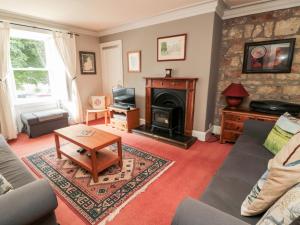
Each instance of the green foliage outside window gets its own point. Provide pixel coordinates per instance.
(30, 55)
(27, 53)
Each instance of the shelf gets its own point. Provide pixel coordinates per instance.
(105, 157)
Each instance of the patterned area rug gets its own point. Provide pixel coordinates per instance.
(99, 202)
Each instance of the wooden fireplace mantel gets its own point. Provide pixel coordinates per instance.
(178, 83)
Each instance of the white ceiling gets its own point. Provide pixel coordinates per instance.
(98, 15)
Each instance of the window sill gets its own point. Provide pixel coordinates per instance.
(35, 101)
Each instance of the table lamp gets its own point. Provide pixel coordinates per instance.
(235, 93)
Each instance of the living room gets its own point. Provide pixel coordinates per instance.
(140, 112)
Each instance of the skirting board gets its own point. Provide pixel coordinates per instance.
(204, 135)
(142, 121)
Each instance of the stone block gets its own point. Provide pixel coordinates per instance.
(268, 29)
(235, 32)
(287, 27)
(266, 89)
(248, 30)
(293, 90)
(257, 31)
(288, 77)
(235, 61)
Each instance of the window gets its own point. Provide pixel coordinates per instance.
(38, 72)
(29, 64)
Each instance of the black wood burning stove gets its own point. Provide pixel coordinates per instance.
(165, 118)
(168, 110)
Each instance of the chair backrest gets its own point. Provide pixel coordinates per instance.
(98, 102)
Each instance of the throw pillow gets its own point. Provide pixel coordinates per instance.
(289, 152)
(285, 210)
(285, 128)
(279, 178)
(98, 102)
(5, 186)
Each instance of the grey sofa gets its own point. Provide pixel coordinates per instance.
(32, 201)
(221, 203)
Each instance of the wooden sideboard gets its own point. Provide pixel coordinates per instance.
(233, 122)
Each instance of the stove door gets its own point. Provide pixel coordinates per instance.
(161, 118)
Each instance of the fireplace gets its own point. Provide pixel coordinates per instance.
(169, 110)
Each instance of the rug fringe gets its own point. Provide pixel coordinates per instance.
(112, 215)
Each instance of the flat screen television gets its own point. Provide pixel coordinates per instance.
(124, 97)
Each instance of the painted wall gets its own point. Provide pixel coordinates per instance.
(199, 31)
(88, 85)
(280, 24)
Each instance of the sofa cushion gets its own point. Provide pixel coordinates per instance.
(5, 186)
(246, 162)
(285, 210)
(12, 168)
(284, 129)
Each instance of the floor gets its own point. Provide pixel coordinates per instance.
(192, 171)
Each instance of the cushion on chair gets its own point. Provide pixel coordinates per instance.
(98, 102)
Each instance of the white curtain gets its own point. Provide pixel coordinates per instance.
(7, 117)
(66, 46)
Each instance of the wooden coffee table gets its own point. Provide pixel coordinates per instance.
(100, 157)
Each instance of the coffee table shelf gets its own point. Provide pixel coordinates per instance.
(104, 158)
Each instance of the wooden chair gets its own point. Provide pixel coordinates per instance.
(97, 110)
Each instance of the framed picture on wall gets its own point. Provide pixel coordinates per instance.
(87, 62)
(171, 48)
(269, 56)
(134, 61)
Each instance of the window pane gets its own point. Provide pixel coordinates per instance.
(27, 53)
(32, 83)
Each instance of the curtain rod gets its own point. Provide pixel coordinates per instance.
(40, 28)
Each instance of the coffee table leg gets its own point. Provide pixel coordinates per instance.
(120, 153)
(57, 144)
(105, 117)
(94, 166)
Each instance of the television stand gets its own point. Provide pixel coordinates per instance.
(124, 119)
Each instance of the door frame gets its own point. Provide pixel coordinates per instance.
(118, 44)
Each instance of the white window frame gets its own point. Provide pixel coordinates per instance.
(16, 33)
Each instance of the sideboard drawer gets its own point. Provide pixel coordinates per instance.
(231, 125)
(229, 136)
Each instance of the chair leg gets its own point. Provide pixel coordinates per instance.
(105, 117)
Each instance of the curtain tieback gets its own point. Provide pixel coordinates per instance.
(74, 78)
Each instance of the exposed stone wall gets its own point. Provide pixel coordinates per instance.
(280, 24)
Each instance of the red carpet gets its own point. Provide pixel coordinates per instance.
(189, 176)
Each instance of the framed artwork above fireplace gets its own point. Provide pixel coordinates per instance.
(171, 48)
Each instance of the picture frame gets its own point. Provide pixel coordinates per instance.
(87, 62)
(134, 61)
(171, 48)
(274, 56)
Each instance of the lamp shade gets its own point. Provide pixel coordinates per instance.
(235, 90)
